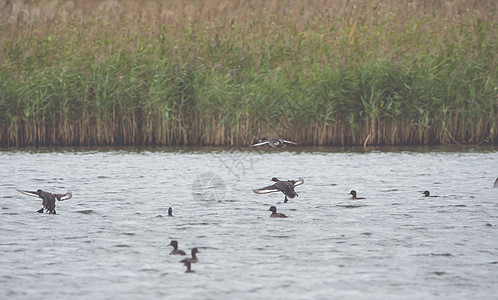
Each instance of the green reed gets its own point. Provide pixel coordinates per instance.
(350, 80)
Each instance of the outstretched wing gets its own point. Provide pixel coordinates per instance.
(29, 193)
(62, 197)
(299, 182)
(266, 190)
(260, 144)
(289, 142)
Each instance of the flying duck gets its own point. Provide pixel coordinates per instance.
(48, 199)
(274, 143)
(353, 193)
(286, 187)
(274, 213)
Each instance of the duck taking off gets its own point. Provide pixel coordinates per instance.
(286, 187)
(48, 199)
(274, 143)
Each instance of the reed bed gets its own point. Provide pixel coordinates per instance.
(230, 72)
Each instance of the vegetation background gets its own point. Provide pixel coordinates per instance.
(223, 72)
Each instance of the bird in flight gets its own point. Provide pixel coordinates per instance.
(274, 143)
(48, 199)
(286, 187)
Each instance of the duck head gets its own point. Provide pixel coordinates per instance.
(273, 209)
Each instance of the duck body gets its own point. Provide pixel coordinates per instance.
(274, 143)
(274, 213)
(193, 259)
(286, 187)
(48, 199)
(353, 193)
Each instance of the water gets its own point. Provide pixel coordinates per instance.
(111, 239)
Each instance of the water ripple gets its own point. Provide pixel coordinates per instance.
(387, 246)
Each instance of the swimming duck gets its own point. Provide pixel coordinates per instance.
(274, 143)
(428, 194)
(193, 259)
(353, 192)
(286, 187)
(274, 213)
(48, 199)
(188, 264)
(175, 250)
(170, 212)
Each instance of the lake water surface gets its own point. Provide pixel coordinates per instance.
(110, 241)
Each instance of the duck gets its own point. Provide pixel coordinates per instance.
(274, 213)
(353, 193)
(188, 265)
(428, 194)
(48, 199)
(170, 212)
(286, 187)
(496, 182)
(175, 250)
(274, 143)
(193, 259)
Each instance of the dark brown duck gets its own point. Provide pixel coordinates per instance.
(175, 250)
(353, 193)
(428, 194)
(286, 187)
(48, 199)
(192, 259)
(274, 213)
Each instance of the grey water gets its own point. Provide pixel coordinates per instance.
(110, 240)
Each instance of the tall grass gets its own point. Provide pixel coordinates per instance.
(226, 72)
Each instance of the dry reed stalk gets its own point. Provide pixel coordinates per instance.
(292, 23)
